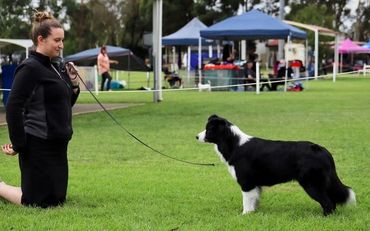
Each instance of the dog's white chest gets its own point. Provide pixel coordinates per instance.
(232, 171)
(229, 167)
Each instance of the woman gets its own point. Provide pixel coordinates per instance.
(104, 67)
(39, 114)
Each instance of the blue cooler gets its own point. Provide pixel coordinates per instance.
(7, 79)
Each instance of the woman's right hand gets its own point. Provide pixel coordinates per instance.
(8, 149)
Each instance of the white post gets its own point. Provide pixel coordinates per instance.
(244, 50)
(334, 72)
(200, 59)
(316, 53)
(281, 41)
(336, 54)
(173, 68)
(189, 61)
(210, 52)
(286, 65)
(218, 51)
(306, 57)
(257, 78)
(96, 80)
(365, 69)
(157, 50)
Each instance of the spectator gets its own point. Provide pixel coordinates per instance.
(282, 70)
(104, 67)
(249, 74)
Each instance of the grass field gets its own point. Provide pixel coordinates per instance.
(116, 183)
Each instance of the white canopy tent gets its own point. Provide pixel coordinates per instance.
(25, 43)
(323, 31)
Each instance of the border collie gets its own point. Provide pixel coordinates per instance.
(254, 162)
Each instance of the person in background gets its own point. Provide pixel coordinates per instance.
(282, 68)
(39, 117)
(249, 74)
(104, 67)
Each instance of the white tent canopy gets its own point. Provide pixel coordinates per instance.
(323, 31)
(25, 43)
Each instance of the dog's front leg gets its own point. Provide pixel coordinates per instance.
(250, 200)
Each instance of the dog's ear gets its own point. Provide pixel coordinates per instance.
(214, 116)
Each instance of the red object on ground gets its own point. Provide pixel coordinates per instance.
(228, 66)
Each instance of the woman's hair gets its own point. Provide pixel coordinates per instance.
(103, 48)
(42, 24)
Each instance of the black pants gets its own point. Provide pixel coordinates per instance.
(105, 76)
(44, 172)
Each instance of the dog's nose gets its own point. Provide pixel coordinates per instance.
(197, 137)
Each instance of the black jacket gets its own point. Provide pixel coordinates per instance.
(40, 102)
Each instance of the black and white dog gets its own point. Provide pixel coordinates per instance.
(255, 162)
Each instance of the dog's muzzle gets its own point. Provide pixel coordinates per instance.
(201, 136)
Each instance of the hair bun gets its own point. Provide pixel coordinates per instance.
(42, 16)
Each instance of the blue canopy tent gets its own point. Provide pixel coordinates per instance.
(367, 45)
(188, 35)
(126, 59)
(252, 25)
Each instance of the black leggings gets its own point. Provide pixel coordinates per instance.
(105, 76)
(44, 172)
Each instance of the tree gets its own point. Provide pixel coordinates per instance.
(15, 22)
(313, 15)
(91, 24)
(361, 28)
(335, 8)
(15, 19)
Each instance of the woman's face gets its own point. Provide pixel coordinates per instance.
(53, 44)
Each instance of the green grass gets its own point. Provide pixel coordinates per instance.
(117, 184)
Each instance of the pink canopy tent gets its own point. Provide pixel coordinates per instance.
(347, 46)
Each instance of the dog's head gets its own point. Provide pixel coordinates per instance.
(216, 129)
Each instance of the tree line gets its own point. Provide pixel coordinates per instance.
(91, 23)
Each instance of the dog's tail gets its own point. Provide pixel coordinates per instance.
(339, 193)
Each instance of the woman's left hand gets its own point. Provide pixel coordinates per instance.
(8, 149)
(73, 73)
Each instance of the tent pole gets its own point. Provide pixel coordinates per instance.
(96, 80)
(334, 72)
(286, 65)
(257, 78)
(173, 68)
(189, 62)
(316, 53)
(218, 50)
(307, 74)
(336, 53)
(200, 59)
(129, 67)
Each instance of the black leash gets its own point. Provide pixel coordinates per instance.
(131, 134)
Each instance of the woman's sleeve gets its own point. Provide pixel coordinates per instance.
(23, 86)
